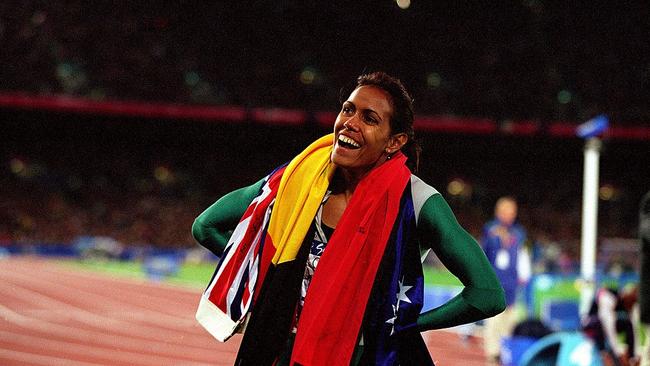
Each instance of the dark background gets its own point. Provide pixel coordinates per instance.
(505, 60)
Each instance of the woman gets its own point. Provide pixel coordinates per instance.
(351, 193)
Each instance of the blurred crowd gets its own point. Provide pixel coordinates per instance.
(530, 59)
(40, 207)
(140, 182)
(143, 181)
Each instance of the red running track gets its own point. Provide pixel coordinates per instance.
(51, 314)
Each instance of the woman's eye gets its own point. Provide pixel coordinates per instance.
(370, 119)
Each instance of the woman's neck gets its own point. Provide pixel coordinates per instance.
(342, 187)
(345, 182)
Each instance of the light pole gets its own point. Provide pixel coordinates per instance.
(590, 131)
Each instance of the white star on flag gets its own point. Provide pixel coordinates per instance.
(391, 321)
(401, 295)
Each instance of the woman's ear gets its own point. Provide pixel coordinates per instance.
(396, 142)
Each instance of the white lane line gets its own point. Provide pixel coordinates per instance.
(97, 301)
(99, 321)
(50, 330)
(150, 298)
(80, 350)
(32, 359)
(159, 291)
(106, 340)
(107, 290)
(20, 263)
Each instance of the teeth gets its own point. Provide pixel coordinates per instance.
(348, 140)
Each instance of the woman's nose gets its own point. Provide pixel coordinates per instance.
(351, 123)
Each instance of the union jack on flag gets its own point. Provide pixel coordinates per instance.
(225, 302)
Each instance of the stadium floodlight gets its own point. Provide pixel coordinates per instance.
(590, 130)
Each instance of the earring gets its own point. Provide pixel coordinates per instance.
(389, 154)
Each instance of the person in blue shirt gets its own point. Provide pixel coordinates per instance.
(503, 241)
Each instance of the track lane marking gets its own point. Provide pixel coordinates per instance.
(192, 334)
(79, 350)
(32, 359)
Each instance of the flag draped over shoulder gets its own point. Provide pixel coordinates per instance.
(390, 333)
(337, 296)
(378, 218)
(270, 232)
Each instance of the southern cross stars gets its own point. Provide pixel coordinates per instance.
(391, 321)
(401, 296)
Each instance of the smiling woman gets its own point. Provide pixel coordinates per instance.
(363, 133)
(321, 259)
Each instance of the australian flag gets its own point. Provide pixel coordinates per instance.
(391, 335)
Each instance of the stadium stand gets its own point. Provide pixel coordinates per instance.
(499, 92)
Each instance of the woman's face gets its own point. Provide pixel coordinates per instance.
(362, 133)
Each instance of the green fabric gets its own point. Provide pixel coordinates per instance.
(213, 227)
(482, 295)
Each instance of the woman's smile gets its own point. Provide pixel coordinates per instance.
(362, 130)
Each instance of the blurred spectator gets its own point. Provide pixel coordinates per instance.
(503, 241)
(611, 313)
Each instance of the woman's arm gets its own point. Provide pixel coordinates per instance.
(483, 295)
(213, 227)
